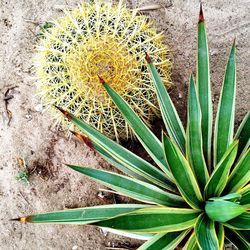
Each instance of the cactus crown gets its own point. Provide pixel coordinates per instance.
(107, 41)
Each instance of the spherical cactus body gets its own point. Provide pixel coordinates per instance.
(100, 40)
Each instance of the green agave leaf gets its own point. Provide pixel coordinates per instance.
(240, 175)
(224, 123)
(237, 238)
(135, 189)
(204, 88)
(243, 135)
(108, 157)
(222, 211)
(219, 177)
(105, 155)
(194, 137)
(230, 197)
(153, 220)
(220, 235)
(83, 215)
(245, 234)
(191, 243)
(182, 172)
(119, 166)
(205, 233)
(121, 155)
(164, 241)
(149, 141)
(241, 222)
(170, 117)
(138, 236)
(245, 195)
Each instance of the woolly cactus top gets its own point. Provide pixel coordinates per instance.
(107, 41)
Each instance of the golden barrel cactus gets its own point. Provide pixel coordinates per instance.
(100, 40)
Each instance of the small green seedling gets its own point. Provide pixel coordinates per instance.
(23, 174)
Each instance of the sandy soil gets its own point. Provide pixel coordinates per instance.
(29, 134)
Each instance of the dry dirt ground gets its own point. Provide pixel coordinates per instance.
(29, 134)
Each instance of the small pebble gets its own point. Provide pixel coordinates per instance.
(101, 195)
(28, 117)
(105, 232)
(74, 247)
(39, 108)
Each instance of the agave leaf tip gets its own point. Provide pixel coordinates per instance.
(83, 138)
(164, 134)
(16, 219)
(21, 219)
(66, 113)
(147, 57)
(234, 41)
(201, 16)
(74, 133)
(70, 166)
(101, 80)
(67, 165)
(59, 108)
(73, 167)
(191, 76)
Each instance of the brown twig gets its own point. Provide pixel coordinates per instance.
(7, 98)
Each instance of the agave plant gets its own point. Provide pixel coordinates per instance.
(195, 198)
